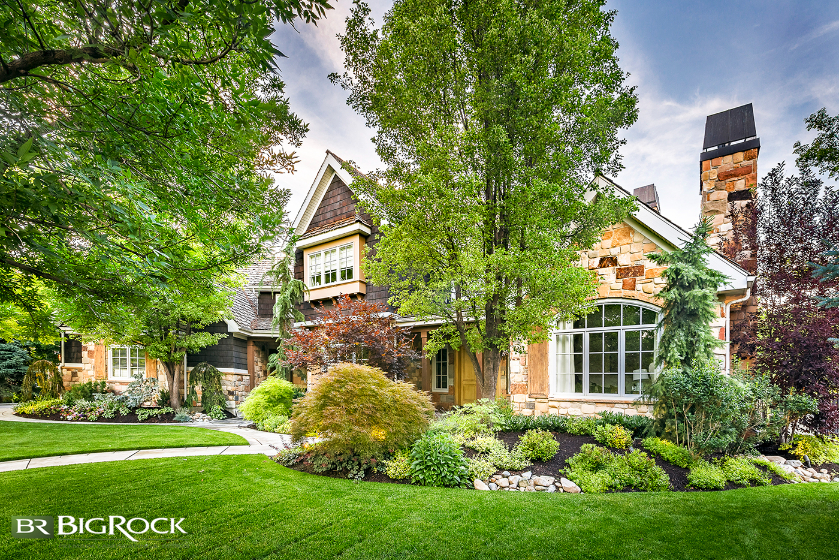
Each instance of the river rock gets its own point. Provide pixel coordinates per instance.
(480, 484)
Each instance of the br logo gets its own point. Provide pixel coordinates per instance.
(33, 527)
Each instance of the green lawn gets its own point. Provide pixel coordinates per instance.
(22, 440)
(249, 507)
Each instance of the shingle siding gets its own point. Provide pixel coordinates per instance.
(226, 354)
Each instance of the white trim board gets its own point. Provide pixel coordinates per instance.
(314, 197)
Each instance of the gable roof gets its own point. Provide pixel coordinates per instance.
(670, 236)
(332, 165)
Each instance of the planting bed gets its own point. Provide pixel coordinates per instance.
(569, 445)
(130, 418)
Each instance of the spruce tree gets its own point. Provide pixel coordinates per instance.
(690, 297)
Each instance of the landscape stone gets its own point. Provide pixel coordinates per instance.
(543, 480)
(505, 474)
(493, 486)
(568, 486)
(526, 475)
(514, 480)
(775, 459)
(794, 463)
(503, 482)
(551, 488)
(480, 484)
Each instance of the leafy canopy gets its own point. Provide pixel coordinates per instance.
(134, 133)
(492, 118)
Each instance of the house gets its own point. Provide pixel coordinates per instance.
(601, 362)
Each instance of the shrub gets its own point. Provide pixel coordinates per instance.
(773, 468)
(140, 390)
(276, 423)
(611, 435)
(357, 410)
(181, 415)
(484, 444)
(212, 395)
(596, 469)
(637, 424)
(670, 452)
(14, 361)
(544, 422)
(436, 460)
(508, 460)
(44, 407)
(272, 396)
(144, 414)
(480, 468)
(705, 476)
(484, 416)
(740, 470)
(538, 445)
(288, 456)
(84, 391)
(708, 412)
(819, 449)
(581, 426)
(399, 466)
(44, 376)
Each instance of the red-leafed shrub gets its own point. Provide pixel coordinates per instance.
(360, 412)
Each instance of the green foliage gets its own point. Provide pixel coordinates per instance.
(670, 452)
(690, 300)
(84, 391)
(582, 426)
(43, 377)
(611, 435)
(538, 445)
(490, 118)
(359, 411)
(706, 476)
(103, 202)
(708, 412)
(484, 444)
(482, 417)
(276, 423)
(271, 397)
(637, 424)
(212, 395)
(508, 459)
(740, 470)
(14, 361)
(772, 468)
(289, 456)
(819, 449)
(519, 423)
(182, 415)
(399, 466)
(144, 414)
(596, 469)
(480, 468)
(141, 390)
(41, 407)
(437, 460)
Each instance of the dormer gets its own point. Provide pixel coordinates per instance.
(333, 233)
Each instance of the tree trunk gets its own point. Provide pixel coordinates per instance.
(173, 378)
(492, 362)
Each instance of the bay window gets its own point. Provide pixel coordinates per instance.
(609, 352)
(331, 266)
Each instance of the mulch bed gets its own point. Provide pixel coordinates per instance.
(569, 445)
(131, 418)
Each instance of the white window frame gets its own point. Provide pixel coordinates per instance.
(141, 354)
(449, 370)
(321, 256)
(567, 328)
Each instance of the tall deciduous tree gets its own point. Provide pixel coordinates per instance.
(133, 132)
(492, 118)
(690, 297)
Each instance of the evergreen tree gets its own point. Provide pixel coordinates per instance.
(289, 294)
(827, 273)
(689, 300)
(14, 361)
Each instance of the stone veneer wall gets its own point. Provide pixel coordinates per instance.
(725, 180)
(624, 270)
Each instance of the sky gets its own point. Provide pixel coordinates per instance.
(687, 60)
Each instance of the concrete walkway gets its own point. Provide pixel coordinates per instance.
(264, 443)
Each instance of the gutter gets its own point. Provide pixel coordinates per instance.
(728, 326)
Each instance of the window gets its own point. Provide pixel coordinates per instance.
(609, 352)
(331, 266)
(442, 371)
(127, 362)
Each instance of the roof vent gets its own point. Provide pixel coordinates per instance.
(649, 196)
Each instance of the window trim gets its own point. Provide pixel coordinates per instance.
(322, 264)
(586, 395)
(111, 362)
(449, 372)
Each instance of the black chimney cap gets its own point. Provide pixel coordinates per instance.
(729, 132)
(649, 196)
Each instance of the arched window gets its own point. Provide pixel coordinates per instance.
(609, 352)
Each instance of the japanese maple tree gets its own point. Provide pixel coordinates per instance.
(352, 330)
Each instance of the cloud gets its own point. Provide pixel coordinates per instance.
(815, 34)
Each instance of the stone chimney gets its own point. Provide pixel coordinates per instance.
(728, 166)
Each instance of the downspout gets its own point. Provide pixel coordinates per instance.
(728, 328)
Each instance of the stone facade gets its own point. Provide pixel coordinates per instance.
(725, 180)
